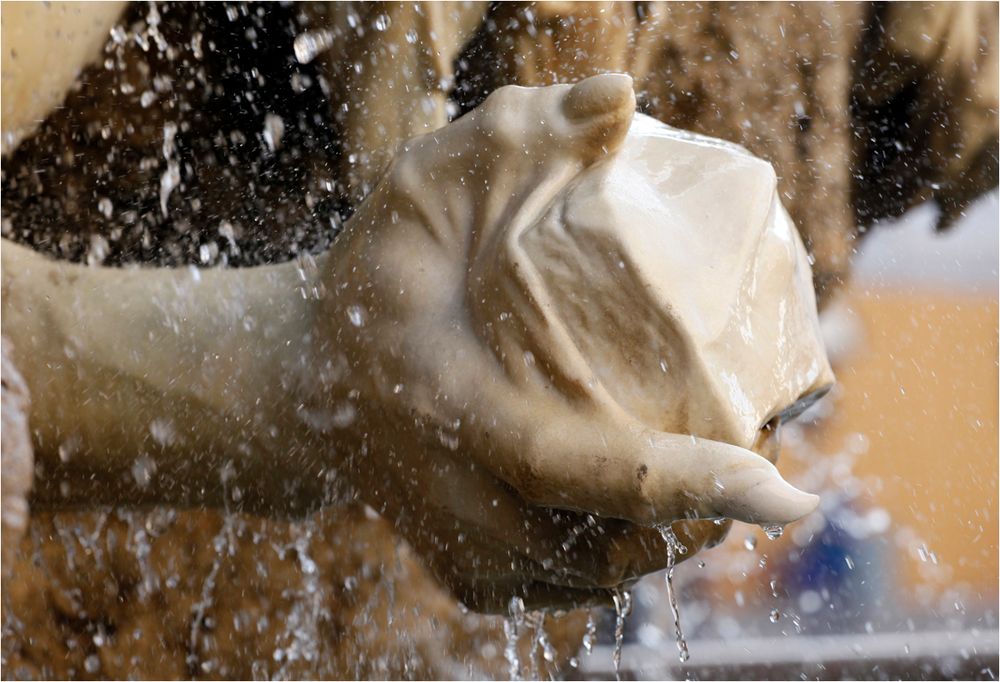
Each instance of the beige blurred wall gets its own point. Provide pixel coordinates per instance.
(923, 391)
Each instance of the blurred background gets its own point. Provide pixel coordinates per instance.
(234, 134)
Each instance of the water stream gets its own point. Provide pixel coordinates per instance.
(512, 628)
(623, 608)
(674, 548)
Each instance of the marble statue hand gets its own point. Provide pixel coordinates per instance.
(553, 328)
(562, 329)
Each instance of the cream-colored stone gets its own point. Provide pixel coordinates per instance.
(45, 47)
(390, 80)
(709, 68)
(546, 304)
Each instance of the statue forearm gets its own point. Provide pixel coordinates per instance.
(165, 385)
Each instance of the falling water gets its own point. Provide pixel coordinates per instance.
(542, 637)
(674, 547)
(623, 607)
(137, 542)
(590, 634)
(224, 545)
(511, 628)
(302, 626)
(539, 642)
(171, 177)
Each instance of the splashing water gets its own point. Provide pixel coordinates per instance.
(674, 547)
(224, 545)
(172, 175)
(590, 634)
(623, 607)
(542, 639)
(539, 642)
(301, 635)
(137, 541)
(511, 628)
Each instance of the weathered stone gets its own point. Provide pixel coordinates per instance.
(199, 594)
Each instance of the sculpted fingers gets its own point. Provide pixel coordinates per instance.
(705, 479)
(604, 105)
(624, 470)
(581, 122)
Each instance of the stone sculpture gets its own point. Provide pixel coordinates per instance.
(478, 327)
(700, 67)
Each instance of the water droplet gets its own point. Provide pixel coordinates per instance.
(750, 543)
(208, 252)
(548, 651)
(773, 532)
(168, 182)
(162, 430)
(343, 415)
(927, 555)
(105, 206)
(590, 634)
(118, 35)
(810, 601)
(850, 562)
(98, 250)
(356, 315)
(775, 615)
(310, 44)
(274, 131)
(143, 469)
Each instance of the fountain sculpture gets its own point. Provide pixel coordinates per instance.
(555, 339)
